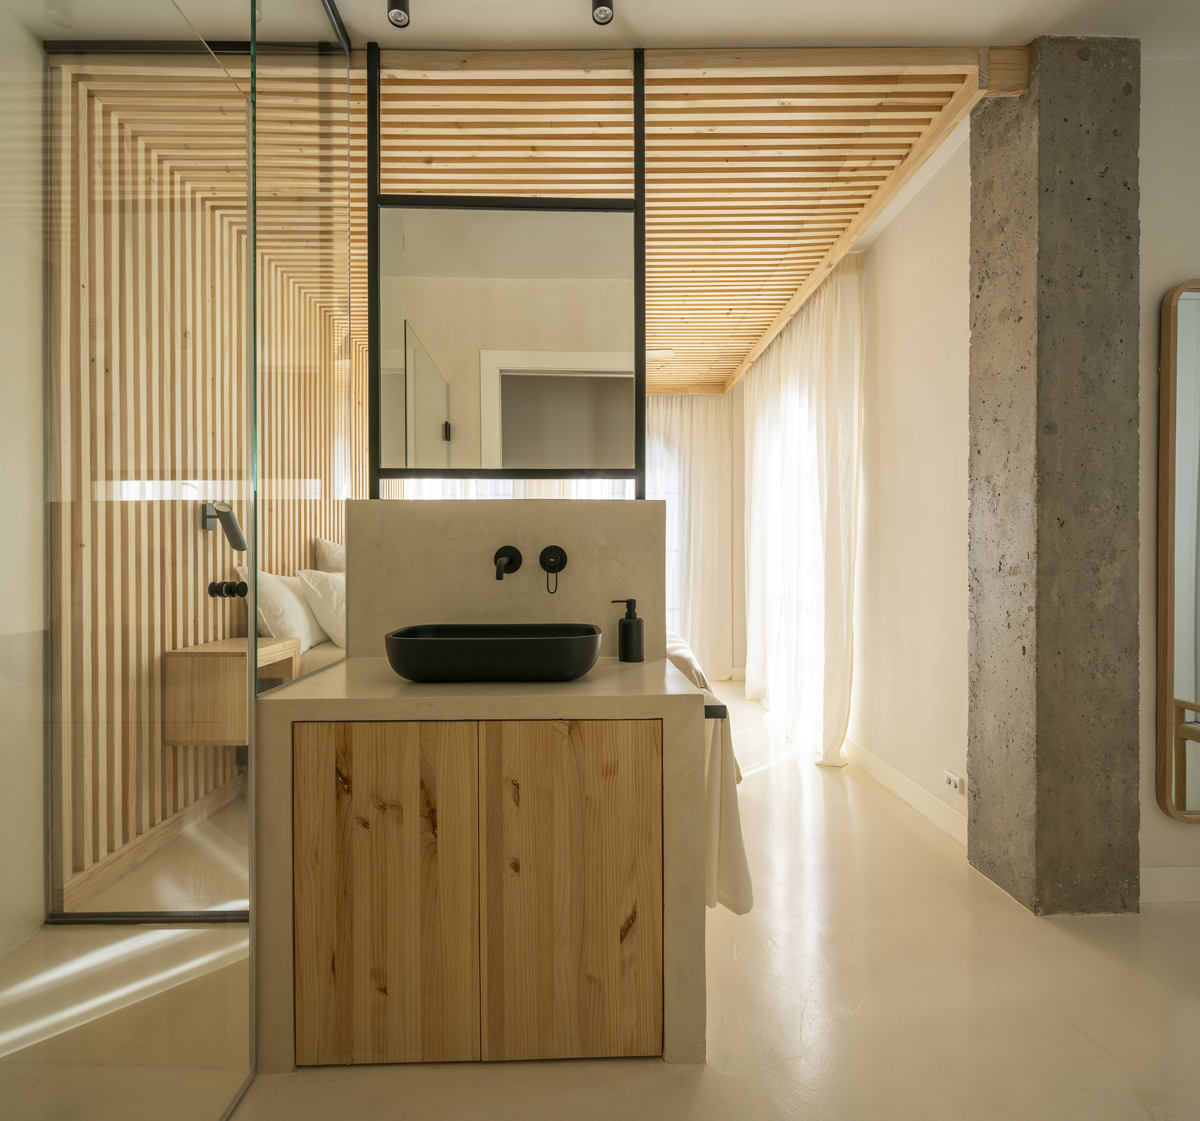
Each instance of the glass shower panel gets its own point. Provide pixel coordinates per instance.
(123, 306)
(148, 442)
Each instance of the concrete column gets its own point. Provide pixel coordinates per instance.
(1052, 752)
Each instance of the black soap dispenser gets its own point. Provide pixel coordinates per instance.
(629, 633)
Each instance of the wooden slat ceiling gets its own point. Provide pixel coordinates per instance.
(553, 125)
(751, 179)
(761, 166)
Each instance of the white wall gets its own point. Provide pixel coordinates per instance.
(1170, 253)
(576, 421)
(908, 720)
(910, 685)
(22, 560)
(457, 317)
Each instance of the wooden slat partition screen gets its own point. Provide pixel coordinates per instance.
(148, 384)
(147, 393)
(304, 346)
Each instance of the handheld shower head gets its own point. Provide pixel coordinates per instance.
(223, 512)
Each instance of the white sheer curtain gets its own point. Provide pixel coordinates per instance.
(802, 424)
(688, 465)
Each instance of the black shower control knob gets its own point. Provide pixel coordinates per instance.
(228, 589)
(553, 558)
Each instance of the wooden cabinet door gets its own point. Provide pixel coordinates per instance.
(386, 879)
(571, 888)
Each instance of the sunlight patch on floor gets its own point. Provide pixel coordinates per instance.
(64, 977)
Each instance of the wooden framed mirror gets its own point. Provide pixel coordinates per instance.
(1177, 763)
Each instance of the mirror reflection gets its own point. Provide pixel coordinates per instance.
(1179, 671)
(1180, 756)
(411, 380)
(506, 339)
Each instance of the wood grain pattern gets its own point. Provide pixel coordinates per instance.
(1006, 73)
(571, 888)
(386, 880)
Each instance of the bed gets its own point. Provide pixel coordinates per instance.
(319, 656)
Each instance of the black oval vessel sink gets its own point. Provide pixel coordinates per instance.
(494, 651)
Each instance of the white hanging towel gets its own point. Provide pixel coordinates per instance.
(727, 872)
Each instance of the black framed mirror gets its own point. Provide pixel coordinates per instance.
(506, 331)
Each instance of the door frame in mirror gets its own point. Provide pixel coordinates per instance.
(493, 364)
(635, 206)
(1169, 746)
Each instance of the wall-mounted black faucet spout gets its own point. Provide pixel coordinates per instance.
(507, 560)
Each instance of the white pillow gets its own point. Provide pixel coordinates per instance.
(326, 596)
(283, 611)
(331, 557)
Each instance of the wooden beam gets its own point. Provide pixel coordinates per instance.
(809, 61)
(1004, 71)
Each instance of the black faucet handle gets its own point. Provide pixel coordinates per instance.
(507, 560)
(553, 558)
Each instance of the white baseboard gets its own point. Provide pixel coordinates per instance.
(1171, 885)
(942, 815)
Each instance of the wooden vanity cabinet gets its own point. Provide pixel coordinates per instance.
(489, 890)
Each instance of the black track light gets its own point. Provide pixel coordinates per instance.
(397, 11)
(602, 12)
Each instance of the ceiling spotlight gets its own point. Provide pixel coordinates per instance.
(397, 11)
(602, 13)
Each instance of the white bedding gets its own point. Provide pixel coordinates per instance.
(727, 872)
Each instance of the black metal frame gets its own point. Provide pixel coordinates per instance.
(146, 918)
(635, 206)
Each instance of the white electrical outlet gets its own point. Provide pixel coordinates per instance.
(955, 782)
